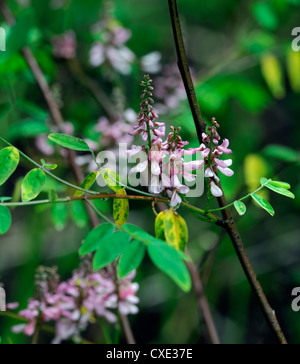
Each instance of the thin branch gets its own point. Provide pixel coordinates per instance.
(203, 304)
(230, 224)
(185, 70)
(98, 196)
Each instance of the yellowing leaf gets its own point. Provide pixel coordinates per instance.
(293, 66)
(240, 207)
(160, 226)
(176, 230)
(9, 160)
(121, 209)
(87, 183)
(273, 75)
(33, 184)
(112, 179)
(254, 168)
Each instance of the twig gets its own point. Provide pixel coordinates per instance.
(203, 304)
(185, 70)
(230, 224)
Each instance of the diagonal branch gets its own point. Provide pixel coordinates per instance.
(230, 225)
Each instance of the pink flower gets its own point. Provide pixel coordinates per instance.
(73, 304)
(215, 190)
(64, 46)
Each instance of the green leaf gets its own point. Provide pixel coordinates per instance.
(32, 110)
(263, 204)
(280, 190)
(282, 153)
(79, 214)
(33, 184)
(109, 249)
(138, 233)
(59, 215)
(265, 15)
(4, 109)
(131, 258)
(87, 183)
(19, 33)
(240, 208)
(176, 230)
(169, 261)
(112, 179)
(27, 129)
(5, 220)
(93, 241)
(160, 225)
(285, 185)
(121, 209)
(9, 161)
(70, 142)
(49, 166)
(264, 181)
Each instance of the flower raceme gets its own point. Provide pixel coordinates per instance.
(163, 160)
(76, 303)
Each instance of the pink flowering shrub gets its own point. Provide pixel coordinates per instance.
(78, 302)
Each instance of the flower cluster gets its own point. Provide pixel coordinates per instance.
(214, 163)
(165, 159)
(64, 46)
(74, 304)
(117, 132)
(169, 89)
(111, 47)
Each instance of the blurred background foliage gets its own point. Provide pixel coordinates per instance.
(246, 75)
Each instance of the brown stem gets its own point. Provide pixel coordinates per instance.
(203, 304)
(230, 224)
(57, 117)
(185, 70)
